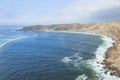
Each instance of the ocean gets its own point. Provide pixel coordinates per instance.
(52, 55)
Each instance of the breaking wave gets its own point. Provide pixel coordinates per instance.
(100, 56)
(95, 63)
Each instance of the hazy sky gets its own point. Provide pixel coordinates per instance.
(58, 11)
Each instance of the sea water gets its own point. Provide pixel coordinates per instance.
(52, 55)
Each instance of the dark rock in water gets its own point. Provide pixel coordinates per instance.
(105, 72)
(98, 62)
(111, 73)
(104, 67)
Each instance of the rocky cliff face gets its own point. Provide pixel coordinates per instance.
(111, 29)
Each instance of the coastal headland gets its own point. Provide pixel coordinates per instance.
(110, 29)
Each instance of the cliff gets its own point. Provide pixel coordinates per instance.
(111, 29)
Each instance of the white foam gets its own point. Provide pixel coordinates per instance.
(73, 60)
(100, 56)
(10, 40)
(82, 77)
(66, 59)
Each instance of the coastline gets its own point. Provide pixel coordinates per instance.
(110, 29)
(102, 52)
(108, 61)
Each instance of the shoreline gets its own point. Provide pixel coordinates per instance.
(103, 68)
(107, 63)
(104, 62)
(110, 29)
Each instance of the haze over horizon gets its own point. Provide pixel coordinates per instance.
(58, 11)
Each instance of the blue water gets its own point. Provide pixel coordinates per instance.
(46, 55)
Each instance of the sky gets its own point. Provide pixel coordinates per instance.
(58, 11)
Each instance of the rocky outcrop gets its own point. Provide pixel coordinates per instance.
(111, 29)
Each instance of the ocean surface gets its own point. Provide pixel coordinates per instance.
(52, 55)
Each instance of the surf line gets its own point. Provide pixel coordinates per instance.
(100, 56)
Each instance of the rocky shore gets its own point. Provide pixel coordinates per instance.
(111, 29)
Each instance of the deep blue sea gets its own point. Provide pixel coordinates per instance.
(50, 55)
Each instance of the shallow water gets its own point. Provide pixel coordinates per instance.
(48, 56)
